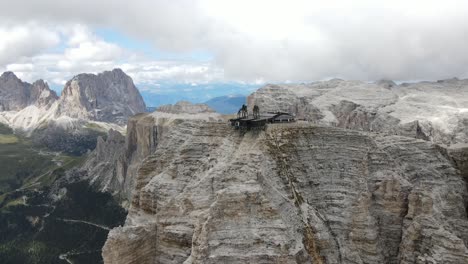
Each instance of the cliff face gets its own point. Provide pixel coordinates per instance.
(41, 95)
(114, 164)
(291, 194)
(436, 111)
(16, 94)
(110, 96)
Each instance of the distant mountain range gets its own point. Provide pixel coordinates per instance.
(109, 97)
(89, 105)
(171, 93)
(227, 104)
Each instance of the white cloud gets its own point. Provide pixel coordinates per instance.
(257, 39)
(152, 72)
(20, 41)
(17, 67)
(83, 51)
(84, 46)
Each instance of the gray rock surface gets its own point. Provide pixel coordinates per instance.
(41, 95)
(295, 193)
(104, 101)
(436, 111)
(114, 164)
(110, 96)
(16, 94)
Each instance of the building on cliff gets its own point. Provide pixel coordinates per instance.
(261, 120)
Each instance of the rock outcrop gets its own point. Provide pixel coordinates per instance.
(16, 95)
(41, 95)
(114, 164)
(436, 111)
(110, 96)
(295, 193)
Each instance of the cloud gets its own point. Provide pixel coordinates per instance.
(274, 41)
(83, 51)
(20, 41)
(153, 72)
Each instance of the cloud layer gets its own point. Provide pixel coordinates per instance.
(261, 40)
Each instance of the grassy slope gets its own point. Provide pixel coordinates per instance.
(21, 163)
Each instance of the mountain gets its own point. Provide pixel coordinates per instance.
(48, 212)
(436, 111)
(110, 97)
(184, 107)
(16, 94)
(335, 187)
(88, 107)
(370, 173)
(155, 100)
(229, 104)
(202, 192)
(114, 164)
(172, 92)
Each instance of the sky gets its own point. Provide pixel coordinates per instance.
(172, 45)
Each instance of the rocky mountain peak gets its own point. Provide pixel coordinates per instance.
(41, 94)
(110, 96)
(116, 72)
(16, 94)
(8, 75)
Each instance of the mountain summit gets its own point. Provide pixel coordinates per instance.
(16, 94)
(89, 106)
(110, 96)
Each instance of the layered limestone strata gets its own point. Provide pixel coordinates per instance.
(436, 111)
(294, 193)
(114, 164)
